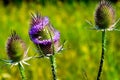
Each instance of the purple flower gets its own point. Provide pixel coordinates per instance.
(43, 34)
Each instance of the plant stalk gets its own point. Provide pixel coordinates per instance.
(22, 72)
(53, 67)
(102, 55)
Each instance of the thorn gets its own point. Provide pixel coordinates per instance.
(7, 61)
(61, 47)
(25, 63)
(11, 66)
(28, 58)
(89, 23)
(26, 52)
(21, 64)
(115, 23)
(16, 63)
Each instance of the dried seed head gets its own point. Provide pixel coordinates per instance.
(104, 15)
(41, 32)
(15, 47)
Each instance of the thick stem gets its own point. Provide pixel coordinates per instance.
(102, 55)
(22, 72)
(53, 67)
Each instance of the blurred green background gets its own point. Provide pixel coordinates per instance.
(81, 56)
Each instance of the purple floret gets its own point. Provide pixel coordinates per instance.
(37, 25)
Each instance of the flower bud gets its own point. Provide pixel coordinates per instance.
(104, 15)
(43, 34)
(15, 48)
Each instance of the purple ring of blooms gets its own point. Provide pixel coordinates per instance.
(40, 26)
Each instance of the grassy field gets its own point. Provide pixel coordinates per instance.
(81, 56)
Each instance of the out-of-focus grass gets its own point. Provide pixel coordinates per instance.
(82, 51)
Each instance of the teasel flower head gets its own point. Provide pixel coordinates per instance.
(16, 50)
(43, 35)
(104, 16)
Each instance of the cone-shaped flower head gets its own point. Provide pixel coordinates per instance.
(104, 15)
(43, 34)
(16, 48)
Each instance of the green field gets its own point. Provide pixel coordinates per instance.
(82, 51)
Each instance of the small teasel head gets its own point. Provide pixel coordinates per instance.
(104, 15)
(15, 47)
(43, 35)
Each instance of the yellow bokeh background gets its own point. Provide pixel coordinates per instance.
(81, 55)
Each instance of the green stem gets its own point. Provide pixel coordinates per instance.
(53, 65)
(22, 72)
(102, 55)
